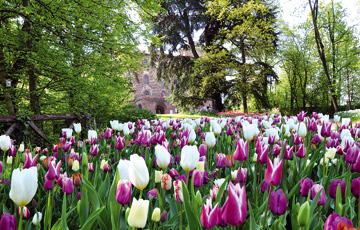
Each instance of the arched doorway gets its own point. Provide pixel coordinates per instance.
(160, 109)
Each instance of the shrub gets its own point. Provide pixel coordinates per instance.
(133, 113)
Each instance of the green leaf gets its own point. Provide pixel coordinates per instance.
(104, 188)
(193, 221)
(221, 190)
(338, 201)
(92, 218)
(253, 225)
(63, 213)
(93, 195)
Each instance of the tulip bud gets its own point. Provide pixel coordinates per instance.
(75, 166)
(158, 176)
(9, 160)
(152, 194)
(163, 216)
(156, 215)
(37, 218)
(305, 186)
(91, 167)
(278, 202)
(166, 181)
(25, 214)
(198, 198)
(22, 147)
(304, 214)
(314, 190)
(76, 179)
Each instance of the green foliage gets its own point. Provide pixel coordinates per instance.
(133, 113)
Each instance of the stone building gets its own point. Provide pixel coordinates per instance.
(149, 93)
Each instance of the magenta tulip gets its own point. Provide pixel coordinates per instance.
(355, 185)
(333, 188)
(301, 151)
(241, 151)
(66, 146)
(325, 129)
(12, 150)
(198, 177)
(262, 156)
(48, 184)
(94, 150)
(29, 161)
(123, 192)
(108, 133)
(220, 160)
(334, 219)
(7, 222)
(54, 171)
(288, 152)
(276, 150)
(273, 171)
(209, 216)
(235, 208)
(278, 202)
(314, 191)
(25, 214)
(305, 186)
(173, 173)
(119, 143)
(67, 185)
(152, 193)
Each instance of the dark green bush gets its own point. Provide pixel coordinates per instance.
(133, 113)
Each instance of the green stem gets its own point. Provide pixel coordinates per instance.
(239, 173)
(140, 196)
(21, 217)
(324, 158)
(51, 205)
(119, 217)
(267, 206)
(180, 216)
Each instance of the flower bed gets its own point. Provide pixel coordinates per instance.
(248, 172)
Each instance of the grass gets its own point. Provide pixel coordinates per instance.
(178, 115)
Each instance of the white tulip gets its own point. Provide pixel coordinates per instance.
(346, 121)
(216, 128)
(92, 134)
(162, 156)
(138, 172)
(37, 218)
(77, 127)
(250, 132)
(219, 182)
(126, 130)
(5, 142)
(189, 157)
(114, 124)
(302, 130)
(123, 169)
(345, 133)
(9, 160)
(23, 185)
(210, 139)
(68, 132)
(336, 118)
(192, 136)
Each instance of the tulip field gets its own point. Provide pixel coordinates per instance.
(258, 171)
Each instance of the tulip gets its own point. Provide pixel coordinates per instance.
(158, 176)
(355, 185)
(220, 160)
(278, 202)
(162, 156)
(192, 136)
(163, 216)
(119, 143)
(304, 214)
(156, 215)
(5, 142)
(250, 132)
(91, 167)
(301, 151)
(37, 218)
(76, 165)
(314, 190)
(9, 160)
(76, 179)
(94, 150)
(25, 213)
(166, 181)
(189, 157)
(302, 130)
(210, 139)
(12, 150)
(336, 118)
(198, 177)
(23, 186)
(67, 132)
(333, 220)
(201, 164)
(288, 152)
(209, 215)
(7, 222)
(333, 188)
(241, 151)
(66, 146)
(301, 115)
(138, 213)
(29, 161)
(178, 191)
(243, 175)
(138, 172)
(173, 173)
(263, 154)
(273, 171)
(229, 161)
(305, 186)
(67, 185)
(297, 139)
(123, 191)
(48, 184)
(152, 193)
(235, 208)
(203, 150)
(342, 226)
(92, 136)
(325, 129)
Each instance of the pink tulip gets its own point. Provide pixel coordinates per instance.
(220, 160)
(288, 152)
(242, 150)
(108, 133)
(48, 184)
(152, 193)
(120, 143)
(26, 212)
(66, 146)
(273, 171)
(243, 175)
(314, 191)
(198, 178)
(334, 219)
(209, 216)
(123, 192)
(235, 208)
(94, 150)
(278, 202)
(91, 167)
(7, 222)
(54, 171)
(301, 152)
(203, 150)
(325, 129)
(67, 185)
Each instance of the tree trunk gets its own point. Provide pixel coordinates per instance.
(189, 35)
(321, 51)
(34, 98)
(3, 76)
(218, 105)
(244, 90)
